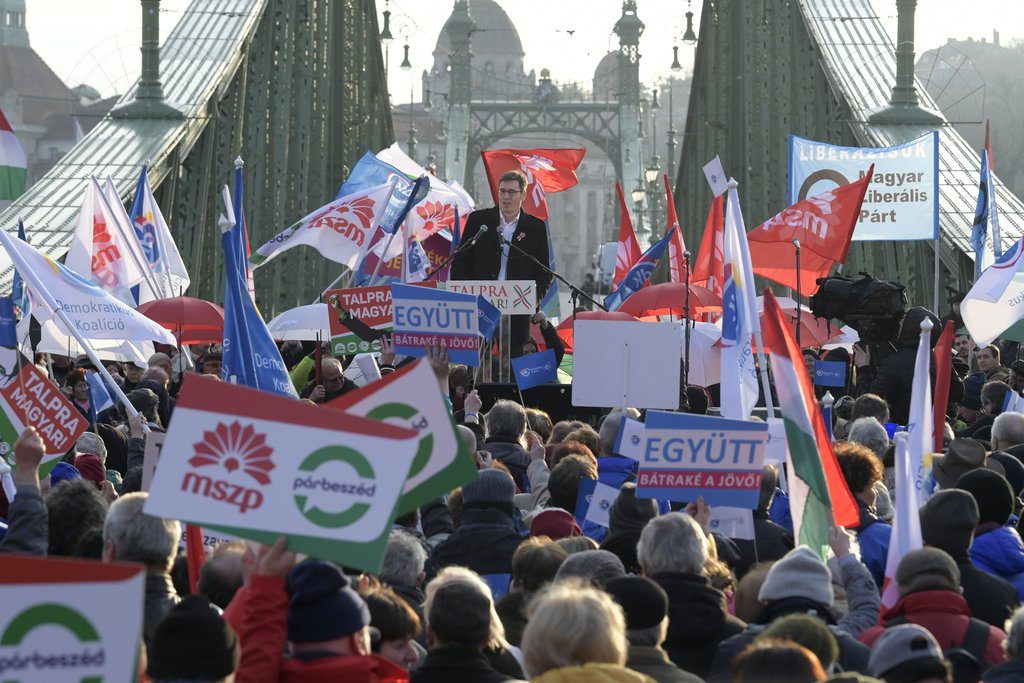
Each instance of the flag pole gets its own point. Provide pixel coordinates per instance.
(796, 246)
(686, 324)
(938, 266)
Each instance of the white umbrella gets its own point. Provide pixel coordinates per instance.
(301, 324)
(705, 353)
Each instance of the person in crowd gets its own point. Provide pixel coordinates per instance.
(614, 469)
(539, 423)
(462, 629)
(808, 632)
(948, 522)
(801, 583)
(988, 359)
(968, 408)
(534, 565)
(396, 624)
(210, 364)
(929, 588)
(77, 389)
(130, 535)
(997, 548)
(577, 634)
(1016, 379)
(193, 643)
(564, 482)
(91, 458)
(862, 470)
(595, 567)
(555, 523)
(74, 509)
(772, 660)
(908, 653)
(870, 405)
(1012, 670)
(627, 518)
(487, 536)
(223, 573)
(331, 385)
(163, 361)
(27, 518)
(1008, 433)
(506, 438)
(133, 371)
(993, 396)
(962, 456)
(403, 569)
(771, 541)
(551, 339)
(645, 606)
(673, 552)
(870, 433)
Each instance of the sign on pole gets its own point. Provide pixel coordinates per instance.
(432, 317)
(259, 466)
(620, 363)
(686, 456)
(902, 202)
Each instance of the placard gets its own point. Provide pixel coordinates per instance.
(601, 501)
(630, 440)
(621, 363)
(428, 317)
(732, 522)
(686, 456)
(69, 620)
(258, 466)
(370, 305)
(775, 451)
(902, 202)
(511, 297)
(829, 373)
(151, 456)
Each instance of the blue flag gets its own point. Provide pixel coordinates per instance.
(639, 274)
(8, 331)
(489, 317)
(535, 369)
(584, 495)
(250, 356)
(984, 253)
(99, 394)
(18, 292)
(369, 172)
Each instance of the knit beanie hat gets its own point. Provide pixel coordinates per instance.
(322, 605)
(555, 523)
(63, 471)
(948, 520)
(808, 631)
(143, 400)
(492, 489)
(193, 642)
(800, 573)
(992, 493)
(629, 513)
(90, 467)
(90, 442)
(596, 566)
(972, 392)
(1013, 469)
(644, 602)
(927, 569)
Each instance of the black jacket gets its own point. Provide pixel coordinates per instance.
(483, 260)
(510, 452)
(991, 598)
(773, 541)
(654, 662)
(484, 542)
(895, 377)
(451, 665)
(697, 621)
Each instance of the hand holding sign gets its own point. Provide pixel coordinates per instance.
(28, 453)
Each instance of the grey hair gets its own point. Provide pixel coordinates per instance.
(91, 443)
(1009, 429)
(867, 431)
(138, 537)
(404, 559)
(672, 543)
(610, 429)
(1014, 643)
(506, 418)
(652, 636)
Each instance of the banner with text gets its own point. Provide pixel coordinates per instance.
(511, 297)
(259, 466)
(686, 456)
(428, 317)
(902, 202)
(370, 305)
(69, 620)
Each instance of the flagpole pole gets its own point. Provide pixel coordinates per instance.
(796, 246)
(686, 324)
(338, 279)
(938, 266)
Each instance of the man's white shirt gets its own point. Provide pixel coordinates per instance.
(507, 231)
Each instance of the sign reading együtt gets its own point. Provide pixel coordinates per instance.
(426, 317)
(686, 456)
(902, 202)
(259, 466)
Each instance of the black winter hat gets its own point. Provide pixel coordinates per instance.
(193, 642)
(644, 602)
(948, 520)
(992, 493)
(322, 605)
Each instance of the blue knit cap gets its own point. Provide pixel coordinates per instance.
(63, 471)
(322, 605)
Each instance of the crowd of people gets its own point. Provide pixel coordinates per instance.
(501, 580)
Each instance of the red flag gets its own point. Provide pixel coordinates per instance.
(196, 555)
(710, 268)
(824, 225)
(676, 247)
(547, 170)
(943, 355)
(629, 249)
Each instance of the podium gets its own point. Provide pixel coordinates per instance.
(510, 297)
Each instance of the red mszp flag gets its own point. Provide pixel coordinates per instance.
(943, 355)
(676, 248)
(547, 170)
(824, 225)
(709, 271)
(628, 252)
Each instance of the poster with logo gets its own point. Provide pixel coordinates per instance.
(902, 202)
(370, 305)
(69, 620)
(28, 397)
(511, 297)
(410, 398)
(686, 456)
(427, 317)
(258, 466)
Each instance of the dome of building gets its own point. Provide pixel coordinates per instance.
(606, 77)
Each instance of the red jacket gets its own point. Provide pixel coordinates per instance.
(946, 615)
(259, 613)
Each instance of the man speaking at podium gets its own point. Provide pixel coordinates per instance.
(486, 254)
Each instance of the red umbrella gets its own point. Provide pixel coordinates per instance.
(192, 321)
(669, 298)
(565, 328)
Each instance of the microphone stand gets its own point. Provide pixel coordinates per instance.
(461, 247)
(686, 323)
(574, 291)
(796, 245)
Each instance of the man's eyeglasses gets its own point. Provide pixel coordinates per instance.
(508, 193)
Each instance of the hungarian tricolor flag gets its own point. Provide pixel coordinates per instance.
(547, 170)
(709, 270)
(12, 163)
(628, 252)
(824, 225)
(676, 247)
(818, 492)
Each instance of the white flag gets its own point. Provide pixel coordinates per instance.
(148, 288)
(169, 272)
(920, 423)
(906, 523)
(996, 301)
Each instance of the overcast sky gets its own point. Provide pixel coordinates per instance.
(97, 42)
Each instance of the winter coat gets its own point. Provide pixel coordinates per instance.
(946, 616)
(1010, 672)
(456, 665)
(510, 452)
(616, 470)
(873, 536)
(772, 541)
(1000, 552)
(484, 542)
(592, 673)
(697, 621)
(160, 599)
(989, 597)
(654, 662)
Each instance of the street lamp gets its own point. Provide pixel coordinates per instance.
(638, 195)
(385, 34)
(676, 66)
(406, 64)
(653, 169)
(689, 37)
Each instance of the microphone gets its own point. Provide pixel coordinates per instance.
(483, 229)
(796, 244)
